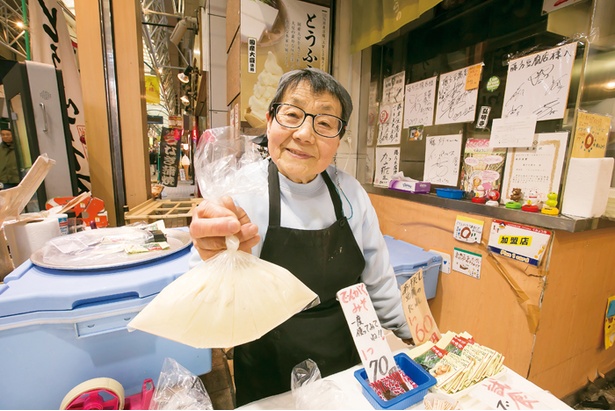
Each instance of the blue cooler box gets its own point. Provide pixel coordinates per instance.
(59, 328)
(406, 260)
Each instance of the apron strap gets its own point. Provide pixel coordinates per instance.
(274, 195)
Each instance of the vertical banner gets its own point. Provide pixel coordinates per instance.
(170, 150)
(288, 35)
(51, 44)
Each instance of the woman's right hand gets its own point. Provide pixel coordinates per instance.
(214, 220)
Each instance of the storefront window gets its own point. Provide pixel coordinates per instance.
(491, 35)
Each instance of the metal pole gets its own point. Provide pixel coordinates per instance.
(113, 112)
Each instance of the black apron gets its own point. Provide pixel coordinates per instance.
(326, 261)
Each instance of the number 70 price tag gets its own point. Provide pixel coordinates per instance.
(367, 332)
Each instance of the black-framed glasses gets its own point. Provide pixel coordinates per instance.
(290, 116)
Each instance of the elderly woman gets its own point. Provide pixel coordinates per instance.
(317, 222)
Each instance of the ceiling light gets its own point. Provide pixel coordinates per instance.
(180, 29)
(185, 76)
(185, 100)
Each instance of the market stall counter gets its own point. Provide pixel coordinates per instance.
(63, 321)
(505, 390)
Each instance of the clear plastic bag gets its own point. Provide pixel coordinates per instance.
(221, 161)
(310, 392)
(179, 389)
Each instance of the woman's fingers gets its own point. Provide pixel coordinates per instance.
(212, 221)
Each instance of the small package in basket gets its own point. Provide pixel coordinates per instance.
(415, 372)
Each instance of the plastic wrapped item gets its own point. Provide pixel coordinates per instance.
(310, 392)
(234, 297)
(107, 247)
(179, 389)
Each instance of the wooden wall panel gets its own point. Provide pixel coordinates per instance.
(569, 347)
(488, 308)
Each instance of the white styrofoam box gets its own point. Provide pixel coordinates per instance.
(586, 191)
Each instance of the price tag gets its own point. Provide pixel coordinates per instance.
(418, 315)
(367, 332)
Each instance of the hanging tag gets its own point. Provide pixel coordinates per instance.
(418, 315)
(367, 332)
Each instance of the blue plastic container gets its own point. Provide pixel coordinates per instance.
(407, 259)
(422, 378)
(454, 193)
(59, 328)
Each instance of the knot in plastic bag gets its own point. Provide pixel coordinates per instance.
(232, 243)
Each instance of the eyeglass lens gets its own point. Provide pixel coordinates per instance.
(293, 117)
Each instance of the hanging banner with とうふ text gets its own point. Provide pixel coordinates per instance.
(519, 242)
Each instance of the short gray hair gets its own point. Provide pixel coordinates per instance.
(320, 82)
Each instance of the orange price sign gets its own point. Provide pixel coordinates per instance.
(418, 315)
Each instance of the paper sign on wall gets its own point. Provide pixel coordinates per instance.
(442, 159)
(538, 84)
(387, 164)
(468, 230)
(456, 104)
(609, 323)
(418, 315)
(467, 262)
(519, 242)
(591, 135)
(420, 103)
(366, 331)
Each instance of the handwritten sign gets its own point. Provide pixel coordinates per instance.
(442, 158)
(393, 88)
(387, 164)
(538, 84)
(504, 394)
(420, 103)
(513, 132)
(536, 170)
(591, 135)
(519, 242)
(468, 230)
(390, 124)
(467, 262)
(418, 315)
(455, 103)
(366, 331)
(473, 77)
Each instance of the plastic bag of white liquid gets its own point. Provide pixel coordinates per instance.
(233, 297)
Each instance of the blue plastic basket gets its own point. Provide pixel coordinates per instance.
(422, 378)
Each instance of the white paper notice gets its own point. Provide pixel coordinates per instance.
(538, 84)
(467, 262)
(393, 88)
(420, 103)
(455, 103)
(366, 331)
(442, 158)
(390, 124)
(512, 132)
(536, 170)
(387, 164)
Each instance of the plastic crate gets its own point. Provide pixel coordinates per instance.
(422, 378)
(407, 259)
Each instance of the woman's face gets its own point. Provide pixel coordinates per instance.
(300, 153)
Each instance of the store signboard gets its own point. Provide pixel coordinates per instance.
(519, 242)
(276, 39)
(170, 150)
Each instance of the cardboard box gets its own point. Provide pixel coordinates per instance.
(410, 186)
